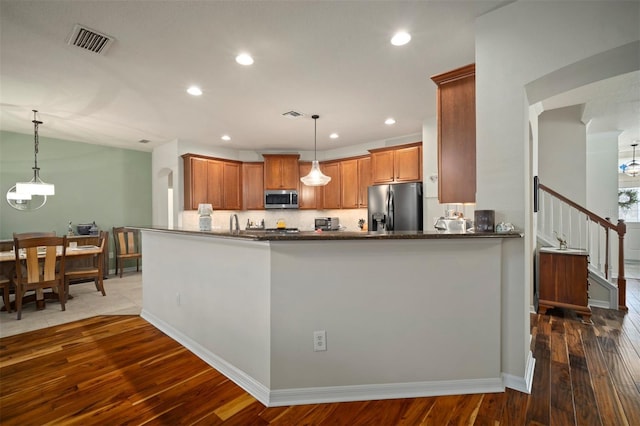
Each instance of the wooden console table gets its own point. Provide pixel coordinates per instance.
(564, 281)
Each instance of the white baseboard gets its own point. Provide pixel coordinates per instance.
(521, 384)
(239, 377)
(318, 395)
(600, 303)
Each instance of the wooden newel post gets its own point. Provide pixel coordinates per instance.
(622, 282)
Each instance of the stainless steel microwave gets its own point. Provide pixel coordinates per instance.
(280, 199)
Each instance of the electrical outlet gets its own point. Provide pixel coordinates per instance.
(178, 299)
(319, 340)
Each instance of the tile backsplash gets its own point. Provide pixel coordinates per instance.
(302, 219)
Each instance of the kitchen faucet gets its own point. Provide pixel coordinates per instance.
(237, 229)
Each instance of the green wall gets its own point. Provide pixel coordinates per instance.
(111, 186)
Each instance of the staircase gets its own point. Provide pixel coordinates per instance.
(604, 241)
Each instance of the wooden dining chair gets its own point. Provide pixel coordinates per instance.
(127, 246)
(40, 273)
(33, 234)
(5, 284)
(95, 270)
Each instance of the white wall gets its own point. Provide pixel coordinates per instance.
(516, 45)
(562, 152)
(602, 174)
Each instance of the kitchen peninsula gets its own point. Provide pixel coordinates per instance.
(405, 314)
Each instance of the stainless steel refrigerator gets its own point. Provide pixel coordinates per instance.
(395, 207)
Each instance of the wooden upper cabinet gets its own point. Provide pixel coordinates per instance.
(213, 181)
(349, 184)
(309, 197)
(456, 106)
(232, 185)
(281, 171)
(364, 180)
(215, 184)
(253, 186)
(355, 178)
(195, 172)
(397, 164)
(331, 191)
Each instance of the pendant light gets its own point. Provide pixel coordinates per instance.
(315, 176)
(33, 194)
(633, 168)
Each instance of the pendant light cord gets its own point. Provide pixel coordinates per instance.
(315, 135)
(36, 143)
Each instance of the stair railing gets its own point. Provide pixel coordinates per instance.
(584, 229)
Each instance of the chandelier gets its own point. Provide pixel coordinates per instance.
(315, 176)
(33, 194)
(632, 168)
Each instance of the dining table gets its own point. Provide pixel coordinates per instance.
(7, 267)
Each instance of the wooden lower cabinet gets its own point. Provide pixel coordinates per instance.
(564, 281)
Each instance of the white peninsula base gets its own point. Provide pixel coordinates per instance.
(403, 318)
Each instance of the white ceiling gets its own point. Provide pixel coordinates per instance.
(331, 58)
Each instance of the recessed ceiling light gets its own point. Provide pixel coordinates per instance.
(226, 138)
(334, 136)
(244, 59)
(389, 121)
(400, 38)
(194, 91)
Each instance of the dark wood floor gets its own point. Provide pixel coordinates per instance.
(121, 370)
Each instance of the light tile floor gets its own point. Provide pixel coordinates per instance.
(124, 297)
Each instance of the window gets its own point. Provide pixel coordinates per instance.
(628, 204)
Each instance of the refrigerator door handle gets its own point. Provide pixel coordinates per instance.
(390, 210)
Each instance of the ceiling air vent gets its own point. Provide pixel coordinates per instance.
(293, 114)
(90, 40)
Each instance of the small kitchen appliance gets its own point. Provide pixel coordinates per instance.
(327, 223)
(281, 199)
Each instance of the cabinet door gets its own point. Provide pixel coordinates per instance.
(232, 181)
(290, 172)
(215, 184)
(273, 172)
(253, 186)
(563, 279)
(408, 164)
(349, 184)
(456, 105)
(281, 171)
(382, 166)
(331, 191)
(309, 197)
(197, 183)
(364, 180)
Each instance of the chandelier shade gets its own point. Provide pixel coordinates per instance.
(315, 176)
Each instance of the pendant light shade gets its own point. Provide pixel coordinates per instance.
(315, 176)
(633, 168)
(33, 194)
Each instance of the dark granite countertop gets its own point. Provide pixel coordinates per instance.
(257, 235)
